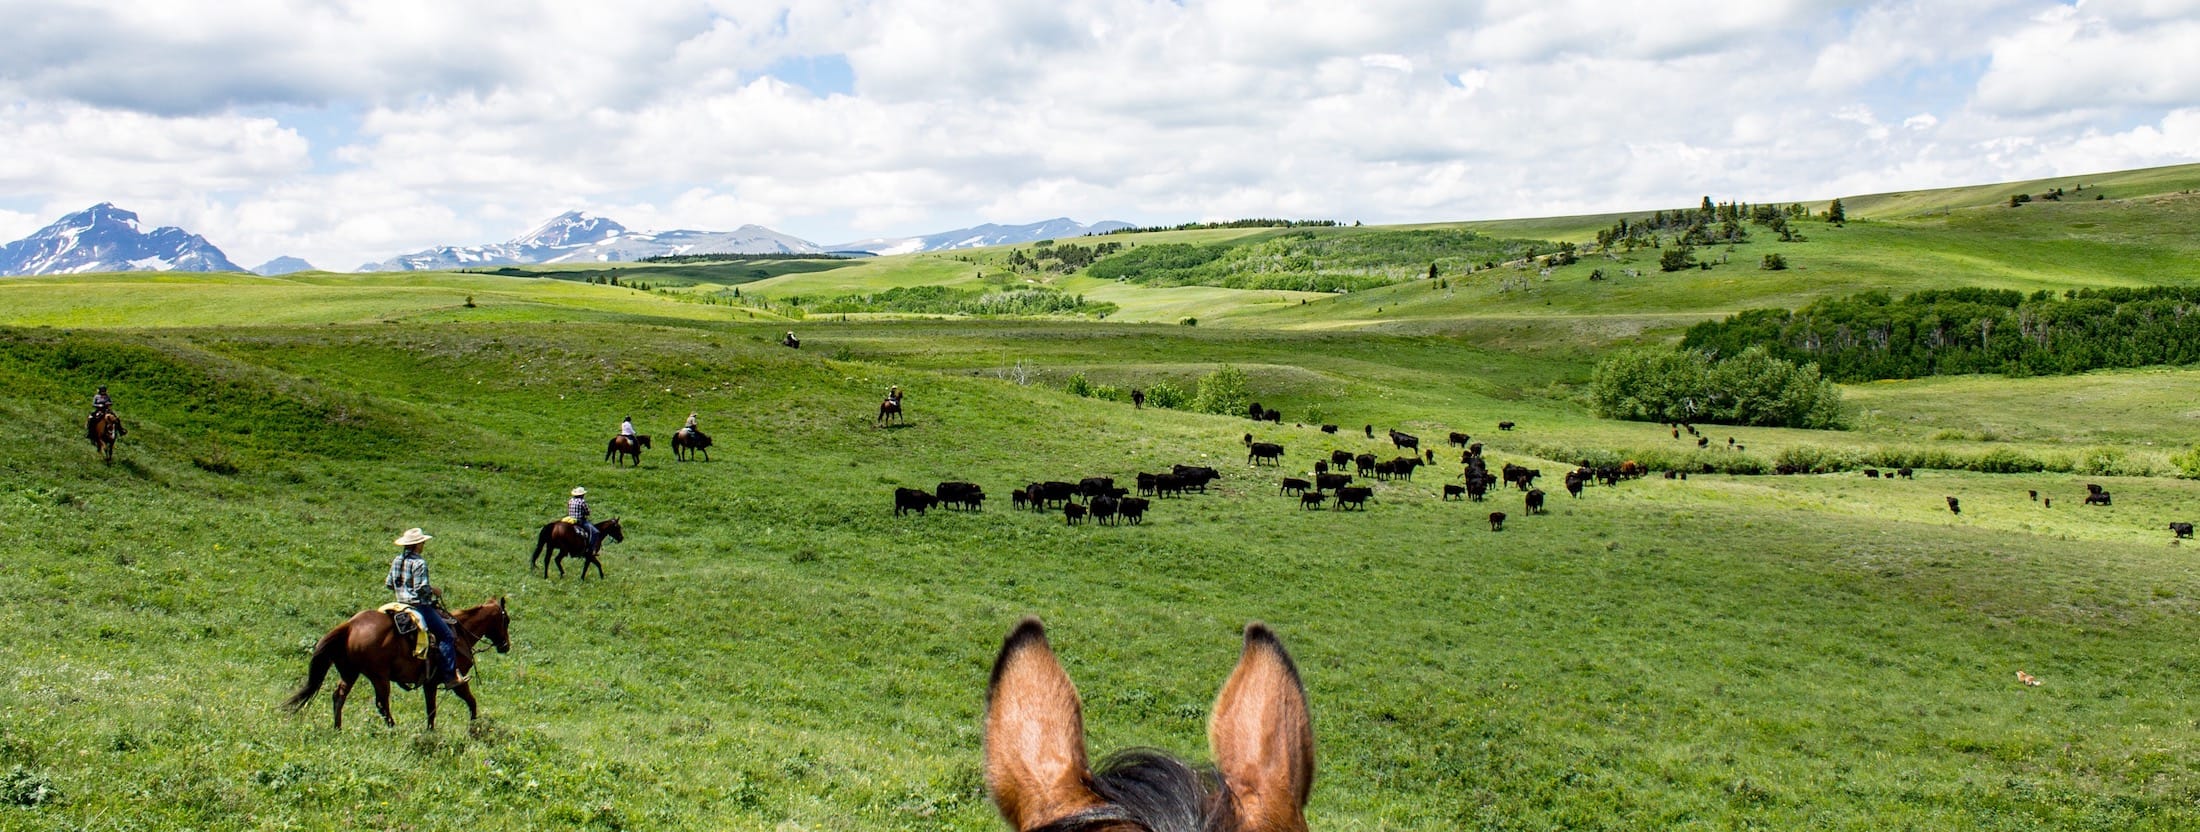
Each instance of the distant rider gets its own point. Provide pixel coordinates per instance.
(893, 394)
(577, 508)
(101, 404)
(409, 580)
(626, 427)
(690, 427)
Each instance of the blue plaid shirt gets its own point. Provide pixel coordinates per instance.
(409, 579)
(577, 508)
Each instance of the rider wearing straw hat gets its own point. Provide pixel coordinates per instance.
(577, 508)
(409, 580)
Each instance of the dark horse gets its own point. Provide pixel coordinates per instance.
(889, 411)
(103, 430)
(791, 342)
(625, 446)
(686, 443)
(564, 540)
(368, 644)
(1260, 733)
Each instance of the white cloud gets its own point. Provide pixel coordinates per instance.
(475, 121)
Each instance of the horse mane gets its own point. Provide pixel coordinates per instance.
(1150, 790)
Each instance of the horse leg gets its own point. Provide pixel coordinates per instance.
(561, 565)
(430, 691)
(466, 694)
(382, 699)
(592, 561)
(337, 697)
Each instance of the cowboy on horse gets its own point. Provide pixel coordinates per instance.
(626, 427)
(103, 404)
(409, 580)
(577, 508)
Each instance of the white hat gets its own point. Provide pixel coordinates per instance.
(579, 491)
(413, 536)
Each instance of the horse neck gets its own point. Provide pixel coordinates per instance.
(472, 623)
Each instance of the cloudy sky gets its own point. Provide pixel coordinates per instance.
(346, 132)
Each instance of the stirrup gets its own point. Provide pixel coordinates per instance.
(453, 683)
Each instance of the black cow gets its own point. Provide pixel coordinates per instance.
(1275, 416)
(1904, 473)
(2097, 498)
(1672, 475)
(1871, 473)
(911, 499)
(1384, 469)
(1321, 466)
(2092, 488)
(1056, 491)
(1095, 486)
(1364, 463)
(2034, 494)
(1312, 499)
(1459, 440)
(1478, 486)
(1451, 491)
(1497, 521)
(1256, 412)
(1072, 513)
(1331, 482)
(1294, 484)
(1167, 484)
(1340, 458)
(1019, 498)
(1104, 509)
(1404, 440)
(1264, 450)
(1703, 442)
(2183, 530)
(1134, 509)
(1147, 483)
(1370, 429)
(1504, 426)
(1404, 465)
(965, 494)
(1353, 496)
(1329, 428)
(1573, 484)
(1535, 501)
(1196, 478)
(1955, 506)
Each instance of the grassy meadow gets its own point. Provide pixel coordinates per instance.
(773, 649)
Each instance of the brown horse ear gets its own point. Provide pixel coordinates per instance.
(1035, 763)
(1263, 737)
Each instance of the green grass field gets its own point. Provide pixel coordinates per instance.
(773, 649)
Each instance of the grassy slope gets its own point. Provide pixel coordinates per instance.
(1638, 658)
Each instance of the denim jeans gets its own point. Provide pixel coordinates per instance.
(446, 646)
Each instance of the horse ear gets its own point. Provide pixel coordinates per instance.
(1035, 763)
(1262, 736)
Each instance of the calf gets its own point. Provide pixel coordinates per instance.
(1353, 496)
(1167, 484)
(2097, 498)
(1134, 509)
(1294, 485)
(1340, 459)
(1504, 426)
(1264, 450)
(1535, 501)
(1147, 483)
(1019, 498)
(1331, 482)
(1703, 442)
(1497, 521)
(1428, 457)
(1364, 463)
(1312, 499)
(1073, 513)
(1384, 470)
(1955, 506)
(1451, 491)
(1903, 473)
(1321, 466)
(1871, 473)
(1329, 428)
(2034, 494)
(2182, 530)
(911, 499)
(1404, 465)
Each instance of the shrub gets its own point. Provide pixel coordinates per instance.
(1774, 263)
(1078, 386)
(1812, 459)
(1189, 322)
(1223, 392)
(1166, 395)
(1753, 388)
(2110, 462)
(1677, 258)
(2187, 463)
(23, 787)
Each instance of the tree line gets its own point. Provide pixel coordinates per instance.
(1971, 330)
(1245, 223)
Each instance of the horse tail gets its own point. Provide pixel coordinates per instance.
(542, 541)
(324, 655)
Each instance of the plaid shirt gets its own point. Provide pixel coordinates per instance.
(577, 508)
(409, 579)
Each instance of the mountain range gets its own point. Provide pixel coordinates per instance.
(105, 238)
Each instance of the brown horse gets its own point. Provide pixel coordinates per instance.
(625, 446)
(103, 429)
(686, 443)
(1260, 733)
(369, 645)
(889, 411)
(564, 540)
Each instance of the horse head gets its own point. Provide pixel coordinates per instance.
(1260, 734)
(491, 620)
(610, 529)
(642, 440)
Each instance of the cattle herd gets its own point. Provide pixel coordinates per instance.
(1332, 484)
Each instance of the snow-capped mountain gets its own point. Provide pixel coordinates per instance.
(989, 234)
(574, 237)
(282, 265)
(104, 238)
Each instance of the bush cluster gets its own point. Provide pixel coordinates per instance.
(1751, 388)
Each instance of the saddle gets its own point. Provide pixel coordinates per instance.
(406, 621)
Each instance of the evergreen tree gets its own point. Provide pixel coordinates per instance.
(1836, 214)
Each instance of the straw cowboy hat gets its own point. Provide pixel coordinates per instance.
(412, 536)
(579, 491)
